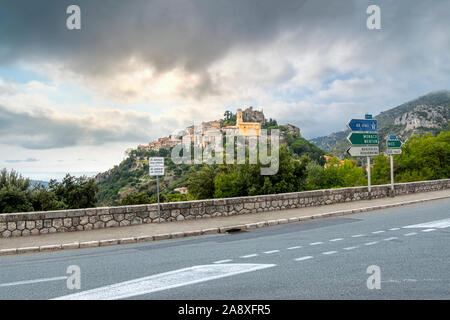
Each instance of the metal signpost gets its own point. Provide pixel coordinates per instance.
(393, 146)
(364, 140)
(156, 168)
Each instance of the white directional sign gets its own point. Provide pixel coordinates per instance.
(156, 166)
(363, 151)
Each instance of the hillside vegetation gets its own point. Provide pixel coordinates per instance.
(129, 182)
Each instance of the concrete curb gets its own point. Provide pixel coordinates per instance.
(225, 229)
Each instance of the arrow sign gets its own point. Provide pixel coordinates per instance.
(363, 138)
(363, 151)
(394, 144)
(363, 125)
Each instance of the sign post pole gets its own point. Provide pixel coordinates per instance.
(157, 194)
(368, 173)
(392, 174)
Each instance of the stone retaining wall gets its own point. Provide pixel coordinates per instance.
(35, 223)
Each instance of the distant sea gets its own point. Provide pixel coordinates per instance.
(47, 176)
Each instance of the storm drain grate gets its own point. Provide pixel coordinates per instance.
(235, 230)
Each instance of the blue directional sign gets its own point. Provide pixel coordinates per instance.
(363, 125)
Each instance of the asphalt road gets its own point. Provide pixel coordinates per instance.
(318, 259)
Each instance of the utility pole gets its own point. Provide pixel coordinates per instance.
(368, 173)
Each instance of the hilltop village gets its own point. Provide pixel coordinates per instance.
(248, 122)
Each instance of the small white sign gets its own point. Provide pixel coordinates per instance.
(394, 151)
(156, 166)
(156, 162)
(156, 171)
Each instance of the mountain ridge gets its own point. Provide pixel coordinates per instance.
(427, 113)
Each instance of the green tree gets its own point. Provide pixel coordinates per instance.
(246, 179)
(136, 198)
(14, 192)
(75, 192)
(175, 197)
(381, 171)
(335, 175)
(424, 158)
(201, 183)
(44, 200)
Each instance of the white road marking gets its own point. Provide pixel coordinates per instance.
(250, 255)
(370, 243)
(271, 251)
(358, 235)
(444, 223)
(393, 229)
(303, 258)
(315, 243)
(380, 231)
(223, 261)
(337, 239)
(164, 281)
(410, 234)
(351, 248)
(428, 230)
(391, 238)
(292, 248)
(329, 252)
(18, 283)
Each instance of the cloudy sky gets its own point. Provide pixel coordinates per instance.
(74, 100)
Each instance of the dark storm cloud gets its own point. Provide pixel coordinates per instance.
(46, 130)
(166, 34)
(192, 34)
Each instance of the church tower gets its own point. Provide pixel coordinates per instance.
(239, 117)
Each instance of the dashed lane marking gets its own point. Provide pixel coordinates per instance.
(357, 235)
(410, 234)
(271, 251)
(337, 239)
(223, 261)
(329, 252)
(350, 248)
(303, 258)
(17, 283)
(391, 238)
(315, 243)
(394, 229)
(370, 243)
(249, 255)
(376, 232)
(293, 248)
(428, 230)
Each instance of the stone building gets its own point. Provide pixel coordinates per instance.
(250, 115)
